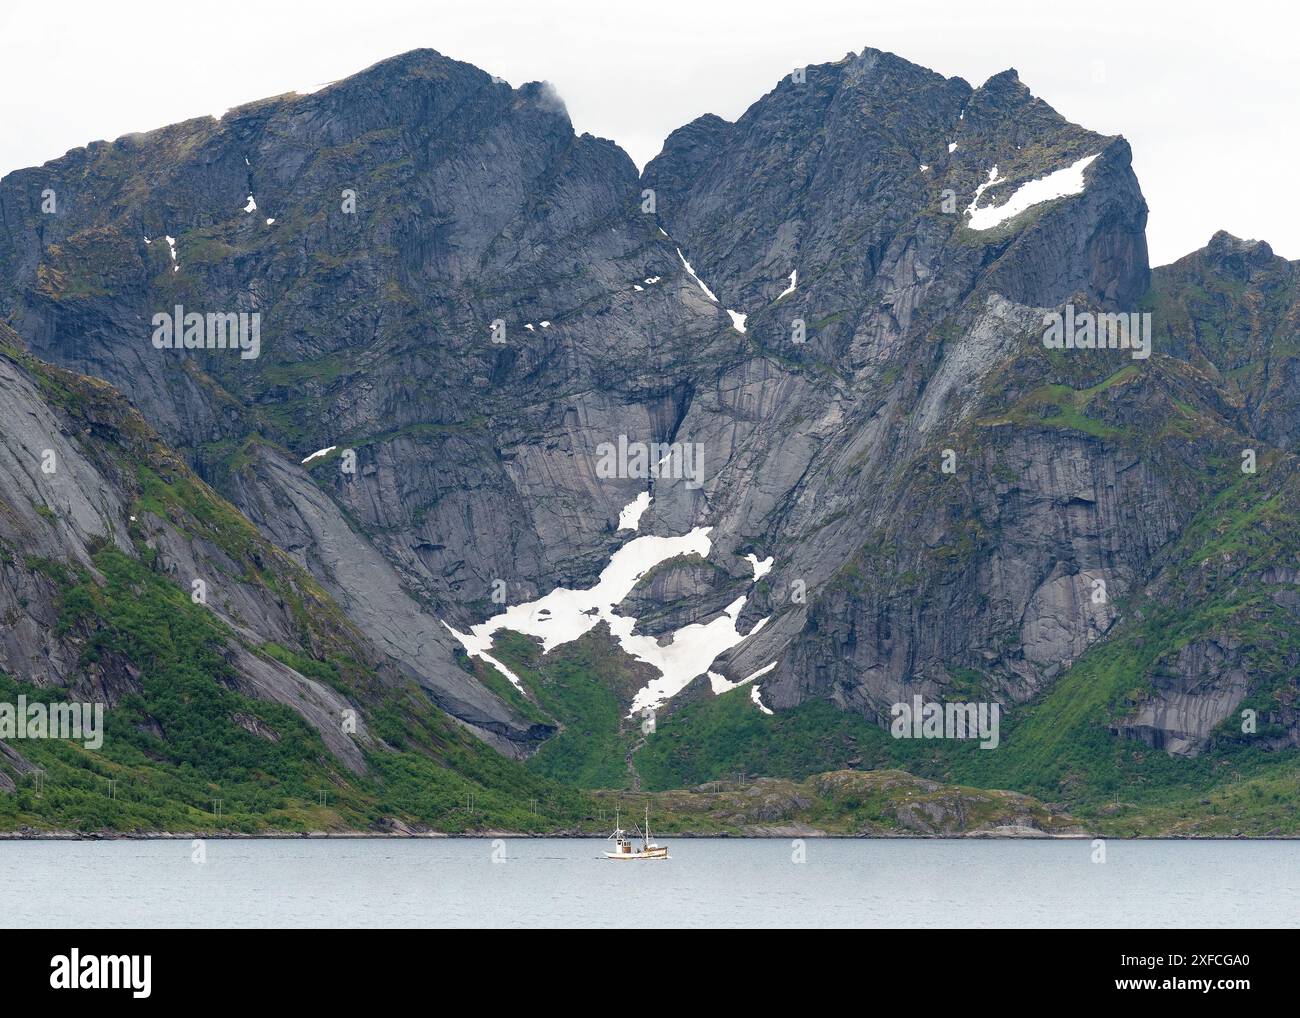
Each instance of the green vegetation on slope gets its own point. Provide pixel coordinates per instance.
(185, 751)
(710, 738)
(586, 686)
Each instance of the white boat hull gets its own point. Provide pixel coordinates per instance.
(653, 853)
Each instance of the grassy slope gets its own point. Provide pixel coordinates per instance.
(587, 687)
(185, 739)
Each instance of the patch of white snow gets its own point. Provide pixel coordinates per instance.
(993, 179)
(564, 615)
(691, 272)
(1061, 183)
(630, 517)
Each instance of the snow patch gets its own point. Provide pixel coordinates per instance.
(758, 701)
(720, 684)
(320, 452)
(564, 615)
(761, 568)
(691, 272)
(794, 278)
(476, 648)
(630, 517)
(252, 204)
(737, 320)
(1061, 183)
(993, 179)
(952, 147)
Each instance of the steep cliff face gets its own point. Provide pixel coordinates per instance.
(398, 215)
(236, 693)
(1230, 315)
(86, 481)
(1231, 309)
(842, 178)
(867, 181)
(838, 302)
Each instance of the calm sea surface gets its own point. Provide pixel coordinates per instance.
(565, 883)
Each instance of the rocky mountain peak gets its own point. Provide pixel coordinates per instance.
(1236, 256)
(1005, 86)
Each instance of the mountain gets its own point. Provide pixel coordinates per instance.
(553, 443)
(248, 702)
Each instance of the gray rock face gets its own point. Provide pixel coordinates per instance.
(1189, 702)
(1232, 307)
(65, 506)
(473, 300)
(53, 515)
(303, 521)
(825, 177)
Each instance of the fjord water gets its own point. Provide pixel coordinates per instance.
(541, 882)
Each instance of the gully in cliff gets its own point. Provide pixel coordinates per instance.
(623, 848)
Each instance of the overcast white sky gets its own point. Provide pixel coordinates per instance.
(1206, 93)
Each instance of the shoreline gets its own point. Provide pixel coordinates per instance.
(991, 835)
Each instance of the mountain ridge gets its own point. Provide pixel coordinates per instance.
(842, 202)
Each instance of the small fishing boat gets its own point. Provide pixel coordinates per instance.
(624, 849)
